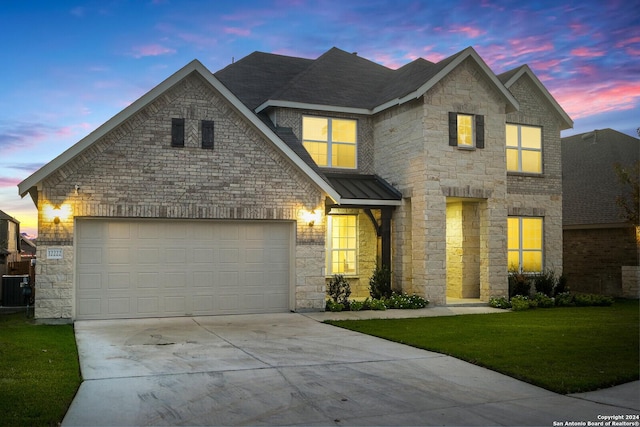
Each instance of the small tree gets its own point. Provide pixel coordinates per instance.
(380, 283)
(629, 201)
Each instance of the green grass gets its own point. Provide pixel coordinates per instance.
(566, 350)
(39, 371)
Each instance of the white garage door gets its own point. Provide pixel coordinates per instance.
(157, 268)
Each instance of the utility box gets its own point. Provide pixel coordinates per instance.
(12, 290)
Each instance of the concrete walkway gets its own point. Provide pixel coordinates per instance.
(290, 369)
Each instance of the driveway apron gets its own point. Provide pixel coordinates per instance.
(287, 369)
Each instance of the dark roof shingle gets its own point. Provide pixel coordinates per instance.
(589, 183)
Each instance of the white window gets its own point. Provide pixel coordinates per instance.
(524, 149)
(525, 244)
(330, 142)
(342, 244)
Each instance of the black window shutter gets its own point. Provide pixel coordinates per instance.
(177, 132)
(453, 129)
(479, 131)
(207, 134)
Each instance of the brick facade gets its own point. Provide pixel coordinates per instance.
(602, 261)
(134, 172)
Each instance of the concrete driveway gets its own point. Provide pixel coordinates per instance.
(288, 369)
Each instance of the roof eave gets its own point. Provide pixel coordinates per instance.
(567, 121)
(310, 106)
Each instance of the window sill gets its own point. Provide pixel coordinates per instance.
(526, 174)
(465, 148)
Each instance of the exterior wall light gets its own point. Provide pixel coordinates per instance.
(310, 217)
(57, 213)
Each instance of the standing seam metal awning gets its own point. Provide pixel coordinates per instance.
(366, 190)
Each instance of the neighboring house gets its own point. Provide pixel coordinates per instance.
(28, 248)
(601, 247)
(9, 241)
(243, 191)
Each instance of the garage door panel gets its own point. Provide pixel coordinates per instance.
(143, 268)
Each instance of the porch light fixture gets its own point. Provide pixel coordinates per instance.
(310, 217)
(57, 213)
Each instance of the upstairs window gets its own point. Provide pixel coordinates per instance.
(177, 132)
(466, 130)
(524, 237)
(524, 149)
(342, 244)
(207, 134)
(330, 142)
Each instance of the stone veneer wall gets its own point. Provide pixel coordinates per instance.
(602, 261)
(134, 172)
(412, 153)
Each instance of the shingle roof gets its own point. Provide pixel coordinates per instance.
(336, 79)
(589, 182)
(3, 215)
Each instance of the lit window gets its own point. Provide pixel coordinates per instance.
(524, 236)
(342, 244)
(524, 149)
(330, 142)
(466, 130)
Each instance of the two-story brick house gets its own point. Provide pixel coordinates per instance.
(242, 191)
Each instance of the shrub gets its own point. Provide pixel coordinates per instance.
(339, 290)
(356, 305)
(334, 306)
(520, 302)
(500, 302)
(380, 283)
(545, 282)
(543, 300)
(519, 284)
(376, 304)
(564, 299)
(561, 286)
(592, 300)
(404, 301)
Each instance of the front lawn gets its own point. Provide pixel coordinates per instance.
(566, 350)
(39, 371)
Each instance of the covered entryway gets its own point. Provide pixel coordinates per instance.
(128, 268)
(463, 249)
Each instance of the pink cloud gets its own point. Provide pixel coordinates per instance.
(582, 100)
(626, 42)
(467, 30)
(6, 181)
(586, 52)
(529, 45)
(151, 50)
(237, 31)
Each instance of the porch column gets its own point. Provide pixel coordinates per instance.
(385, 234)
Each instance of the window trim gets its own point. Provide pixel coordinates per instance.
(521, 250)
(478, 131)
(177, 132)
(330, 249)
(520, 149)
(329, 141)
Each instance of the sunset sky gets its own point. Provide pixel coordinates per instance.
(70, 66)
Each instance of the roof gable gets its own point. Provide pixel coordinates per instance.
(30, 184)
(510, 77)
